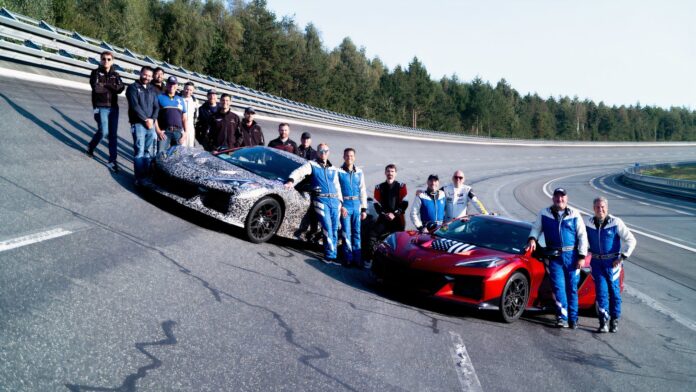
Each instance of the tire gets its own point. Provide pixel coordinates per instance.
(263, 220)
(514, 299)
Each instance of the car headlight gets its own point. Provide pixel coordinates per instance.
(390, 241)
(489, 262)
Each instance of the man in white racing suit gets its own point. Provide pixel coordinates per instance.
(457, 196)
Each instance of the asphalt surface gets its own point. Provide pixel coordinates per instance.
(143, 295)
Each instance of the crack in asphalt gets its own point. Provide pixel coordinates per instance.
(129, 383)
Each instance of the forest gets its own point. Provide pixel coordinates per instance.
(246, 43)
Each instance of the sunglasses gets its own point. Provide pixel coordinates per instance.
(322, 151)
(458, 177)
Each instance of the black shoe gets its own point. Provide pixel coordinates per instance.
(89, 153)
(614, 326)
(113, 166)
(603, 327)
(573, 325)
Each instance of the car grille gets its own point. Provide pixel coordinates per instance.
(425, 282)
(468, 286)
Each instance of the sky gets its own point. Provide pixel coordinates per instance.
(619, 52)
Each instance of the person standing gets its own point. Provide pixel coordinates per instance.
(171, 120)
(429, 205)
(564, 231)
(205, 115)
(328, 199)
(305, 149)
(283, 140)
(390, 204)
(354, 210)
(224, 125)
(158, 81)
(106, 84)
(249, 133)
(611, 243)
(458, 195)
(143, 109)
(191, 113)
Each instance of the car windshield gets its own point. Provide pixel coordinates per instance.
(495, 234)
(265, 162)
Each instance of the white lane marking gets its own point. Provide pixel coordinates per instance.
(644, 203)
(633, 227)
(651, 302)
(33, 238)
(463, 366)
(636, 197)
(496, 199)
(602, 190)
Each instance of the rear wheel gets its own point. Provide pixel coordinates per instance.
(514, 298)
(263, 220)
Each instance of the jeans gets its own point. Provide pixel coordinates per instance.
(173, 138)
(107, 126)
(144, 149)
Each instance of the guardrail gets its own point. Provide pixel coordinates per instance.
(38, 44)
(673, 187)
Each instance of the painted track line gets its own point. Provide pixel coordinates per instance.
(635, 197)
(646, 299)
(465, 369)
(33, 238)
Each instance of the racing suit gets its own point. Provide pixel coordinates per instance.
(457, 200)
(428, 207)
(327, 200)
(389, 198)
(355, 201)
(609, 240)
(565, 231)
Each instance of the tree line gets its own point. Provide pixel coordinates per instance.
(246, 43)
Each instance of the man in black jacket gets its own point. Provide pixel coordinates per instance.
(106, 85)
(250, 133)
(143, 110)
(305, 149)
(283, 141)
(205, 115)
(390, 204)
(224, 124)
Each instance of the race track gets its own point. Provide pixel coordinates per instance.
(116, 290)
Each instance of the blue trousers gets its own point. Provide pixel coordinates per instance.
(350, 232)
(328, 212)
(607, 290)
(564, 278)
(107, 127)
(144, 149)
(173, 138)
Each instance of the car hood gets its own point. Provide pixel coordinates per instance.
(439, 252)
(203, 168)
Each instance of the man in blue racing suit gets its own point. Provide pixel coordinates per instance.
(610, 243)
(352, 180)
(564, 230)
(429, 206)
(328, 199)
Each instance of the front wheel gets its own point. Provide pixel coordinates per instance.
(515, 296)
(263, 220)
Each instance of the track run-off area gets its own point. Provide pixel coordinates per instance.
(106, 288)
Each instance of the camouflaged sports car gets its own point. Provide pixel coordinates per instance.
(243, 187)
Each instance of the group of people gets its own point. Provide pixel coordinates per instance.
(602, 234)
(160, 117)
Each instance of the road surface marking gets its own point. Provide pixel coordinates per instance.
(646, 299)
(631, 226)
(463, 366)
(602, 190)
(635, 197)
(33, 238)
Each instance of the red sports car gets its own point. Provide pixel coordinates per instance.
(479, 261)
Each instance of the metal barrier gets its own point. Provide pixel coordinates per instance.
(670, 186)
(38, 44)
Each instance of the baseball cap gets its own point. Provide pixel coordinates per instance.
(250, 109)
(212, 91)
(306, 135)
(562, 191)
(172, 80)
(433, 177)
